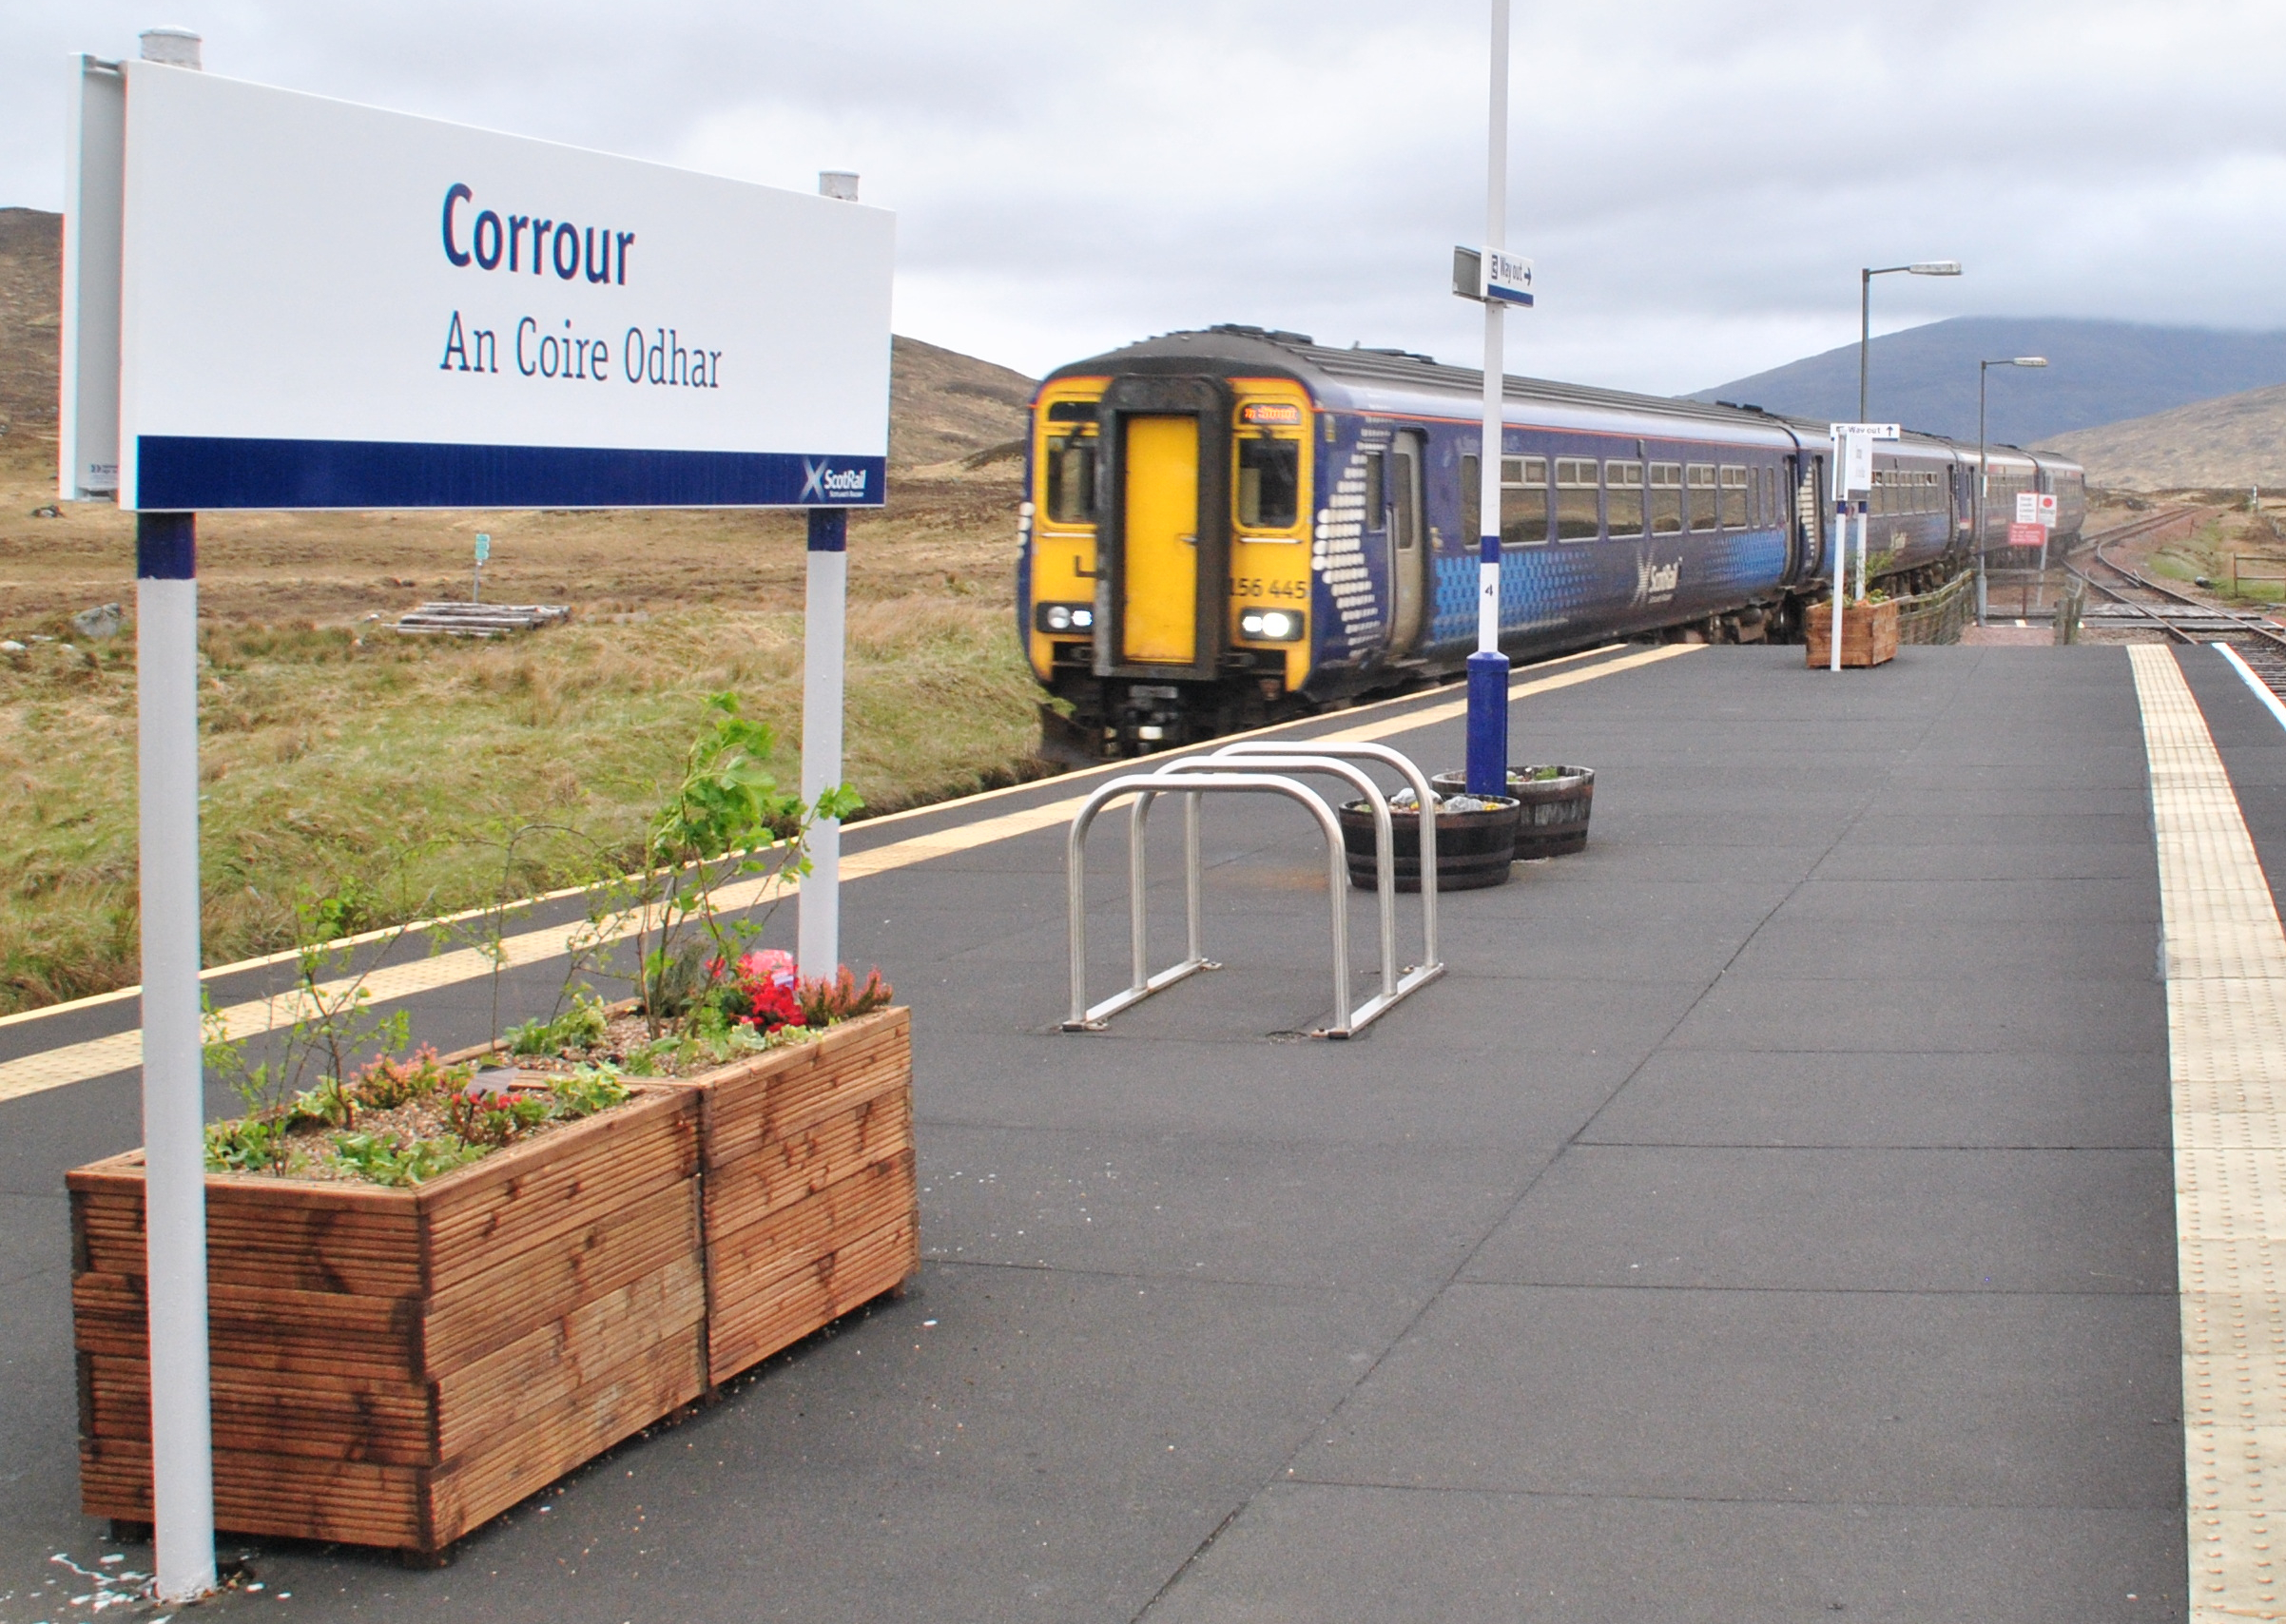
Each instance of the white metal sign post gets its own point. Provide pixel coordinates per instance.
(275, 300)
(1502, 281)
(1852, 475)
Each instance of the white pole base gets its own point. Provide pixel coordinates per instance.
(174, 1091)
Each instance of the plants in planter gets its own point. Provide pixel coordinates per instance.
(1557, 803)
(1476, 839)
(804, 1094)
(438, 1284)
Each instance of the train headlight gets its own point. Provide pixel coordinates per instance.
(1065, 617)
(1269, 624)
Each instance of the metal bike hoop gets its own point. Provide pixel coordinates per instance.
(1142, 983)
(1225, 771)
(1270, 749)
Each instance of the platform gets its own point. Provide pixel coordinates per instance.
(1771, 1215)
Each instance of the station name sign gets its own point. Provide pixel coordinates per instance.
(318, 305)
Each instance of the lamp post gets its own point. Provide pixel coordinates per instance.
(1983, 478)
(1865, 308)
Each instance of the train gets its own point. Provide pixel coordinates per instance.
(1235, 525)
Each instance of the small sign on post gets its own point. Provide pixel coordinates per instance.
(1492, 275)
(484, 555)
(1852, 476)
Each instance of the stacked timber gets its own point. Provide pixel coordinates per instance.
(812, 1201)
(392, 1367)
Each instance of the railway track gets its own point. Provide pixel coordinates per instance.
(2178, 616)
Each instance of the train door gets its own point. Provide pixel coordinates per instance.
(1810, 517)
(1408, 547)
(1158, 625)
(1163, 533)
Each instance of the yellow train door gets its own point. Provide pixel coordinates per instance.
(1159, 540)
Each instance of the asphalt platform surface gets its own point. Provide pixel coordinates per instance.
(1770, 1216)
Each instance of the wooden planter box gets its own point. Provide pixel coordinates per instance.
(1869, 633)
(812, 1205)
(394, 1367)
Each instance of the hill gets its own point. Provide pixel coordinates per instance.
(942, 405)
(2233, 442)
(2098, 372)
(31, 251)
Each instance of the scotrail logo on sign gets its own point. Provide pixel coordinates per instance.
(452, 318)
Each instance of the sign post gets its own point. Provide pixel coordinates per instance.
(1502, 280)
(1852, 476)
(275, 300)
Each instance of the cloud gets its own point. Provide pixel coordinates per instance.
(1697, 182)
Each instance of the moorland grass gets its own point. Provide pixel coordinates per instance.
(349, 762)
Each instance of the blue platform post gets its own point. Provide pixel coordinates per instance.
(1487, 771)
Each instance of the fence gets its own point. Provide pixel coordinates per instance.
(1938, 616)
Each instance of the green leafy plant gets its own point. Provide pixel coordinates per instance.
(726, 817)
(395, 1160)
(576, 1028)
(328, 1020)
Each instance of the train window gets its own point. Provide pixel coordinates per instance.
(1523, 500)
(1666, 498)
(1072, 412)
(1072, 480)
(1376, 504)
(1269, 483)
(1701, 487)
(1576, 516)
(1623, 497)
(1733, 498)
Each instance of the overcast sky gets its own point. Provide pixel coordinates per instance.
(1697, 182)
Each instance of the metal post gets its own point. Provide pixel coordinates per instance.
(174, 1088)
(1488, 667)
(1983, 480)
(818, 947)
(1861, 549)
(1864, 333)
(1841, 549)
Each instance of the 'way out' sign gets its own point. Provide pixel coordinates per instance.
(279, 300)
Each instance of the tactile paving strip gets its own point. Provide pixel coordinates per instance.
(2227, 1039)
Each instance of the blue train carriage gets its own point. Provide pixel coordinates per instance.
(1232, 525)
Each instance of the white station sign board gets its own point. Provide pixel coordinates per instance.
(326, 305)
(1853, 465)
(1504, 276)
(2036, 508)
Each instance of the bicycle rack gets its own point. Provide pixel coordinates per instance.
(1198, 775)
(1271, 750)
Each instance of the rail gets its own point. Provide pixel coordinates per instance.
(2240, 622)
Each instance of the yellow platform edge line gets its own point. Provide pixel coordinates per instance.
(2218, 919)
(101, 1057)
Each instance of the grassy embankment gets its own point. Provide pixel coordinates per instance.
(2257, 540)
(341, 757)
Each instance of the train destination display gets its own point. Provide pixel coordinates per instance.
(327, 305)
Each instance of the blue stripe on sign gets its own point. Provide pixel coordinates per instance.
(190, 472)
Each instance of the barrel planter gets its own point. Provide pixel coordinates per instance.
(1869, 633)
(1474, 849)
(1557, 800)
(396, 1367)
(812, 1205)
